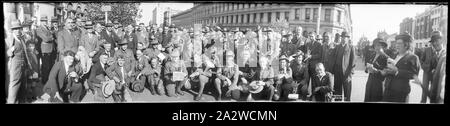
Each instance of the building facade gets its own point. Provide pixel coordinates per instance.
(334, 18)
(407, 25)
(433, 19)
(158, 16)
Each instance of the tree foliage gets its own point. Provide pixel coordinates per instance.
(279, 25)
(125, 13)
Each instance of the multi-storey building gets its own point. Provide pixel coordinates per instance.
(334, 18)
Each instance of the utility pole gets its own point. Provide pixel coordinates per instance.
(318, 20)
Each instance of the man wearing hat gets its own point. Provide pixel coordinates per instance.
(429, 61)
(174, 69)
(153, 51)
(17, 57)
(344, 67)
(316, 54)
(110, 36)
(46, 47)
(140, 67)
(89, 44)
(131, 37)
(121, 73)
(66, 39)
(105, 48)
(142, 35)
(125, 51)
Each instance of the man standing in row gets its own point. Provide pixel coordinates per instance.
(66, 38)
(343, 67)
(47, 45)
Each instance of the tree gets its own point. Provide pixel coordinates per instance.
(125, 13)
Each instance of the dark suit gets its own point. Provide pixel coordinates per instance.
(374, 85)
(111, 38)
(324, 84)
(316, 56)
(133, 43)
(96, 70)
(67, 41)
(428, 63)
(58, 82)
(343, 69)
(46, 47)
(397, 86)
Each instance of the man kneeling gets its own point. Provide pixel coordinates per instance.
(322, 84)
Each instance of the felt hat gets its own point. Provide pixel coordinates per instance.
(256, 86)
(108, 88)
(123, 42)
(15, 24)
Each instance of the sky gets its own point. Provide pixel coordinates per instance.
(368, 19)
(147, 9)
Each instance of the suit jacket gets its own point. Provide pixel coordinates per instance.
(115, 71)
(57, 75)
(129, 56)
(326, 83)
(95, 71)
(133, 43)
(408, 67)
(67, 41)
(316, 53)
(45, 35)
(96, 57)
(90, 43)
(112, 38)
(345, 59)
(429, 59)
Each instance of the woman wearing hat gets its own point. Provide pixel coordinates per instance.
(400, 71)
(300, 76)
(284, 79)
(374, 85)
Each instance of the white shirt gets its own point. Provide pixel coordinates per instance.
(66, 66)
(123, 74)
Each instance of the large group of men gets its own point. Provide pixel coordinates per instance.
(111, 60)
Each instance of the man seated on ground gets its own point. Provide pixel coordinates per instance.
(227, 75)
(97, 77)
(139, 67)
(261, 88)
(175, 74)
(120, 72)
(64, 82)
(284, 80)
(201, 73)
(153, 73)
(322, 84)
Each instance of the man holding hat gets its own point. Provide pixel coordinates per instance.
(98, 76)
(344, 67)
(120, 72)
(429, 61)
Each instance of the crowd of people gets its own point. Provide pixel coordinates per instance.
(109, 60)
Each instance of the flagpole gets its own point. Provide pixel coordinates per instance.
(318, 20)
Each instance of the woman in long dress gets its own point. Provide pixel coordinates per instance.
(374, 85)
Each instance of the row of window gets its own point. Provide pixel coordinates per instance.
(297, 15)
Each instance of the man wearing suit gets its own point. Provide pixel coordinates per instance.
(131, 37)
(109, 35)
(97, 75)
(429, 62)
(316, 54)
(120, 72)
(47, 43)
(66, 38)
(343, 67)
(63, 82)
(123, 50)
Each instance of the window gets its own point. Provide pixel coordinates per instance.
(307, 14)
(277, 16)
(248, 18)
(242, 18)
(297, 14)
(261, 17)
(235, 7)
(327, 15)
(236, 19)
(315, 14)
(254, 18)
(339, 16)
(232, 21)
(286, 15)
(269, 17)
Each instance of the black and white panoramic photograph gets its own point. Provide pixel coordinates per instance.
(197, 52)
